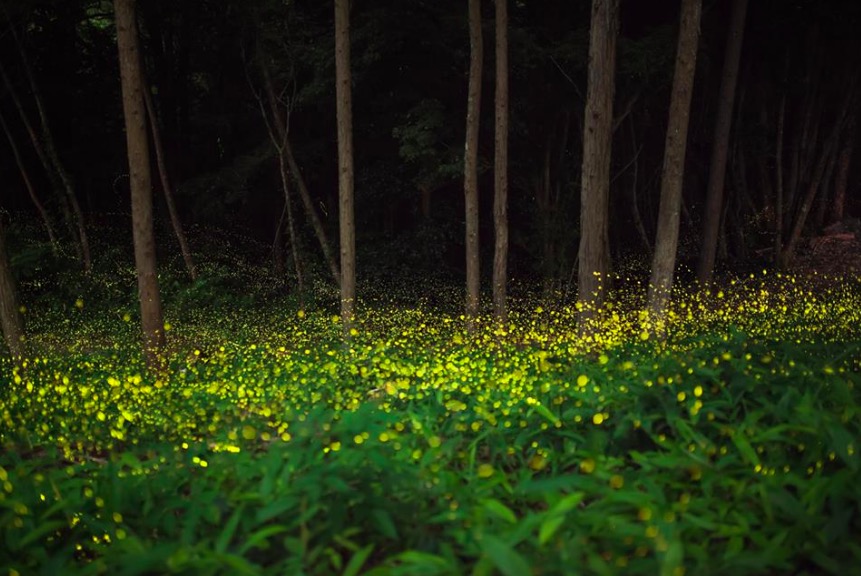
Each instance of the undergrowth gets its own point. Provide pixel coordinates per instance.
(270, 446)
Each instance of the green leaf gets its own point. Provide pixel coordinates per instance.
(544, 411)
(673, 558)
(500, 510)
(358, 560)
(505, 558)
(549, 527)
(258, 539)
(567, 503)
(229, 530)
(40, 532)
(745, 449)
(384, 523)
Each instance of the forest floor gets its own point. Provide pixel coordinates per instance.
(271, 446)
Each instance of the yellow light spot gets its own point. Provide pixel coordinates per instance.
(79, 303)
(300, 314)
(597, 419)
(587, 466)
(616, 482)
(644, 514)
(485, 471)
(117, 517)
(582, 380)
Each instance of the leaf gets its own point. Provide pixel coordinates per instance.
(229, 530)
(384, 523)
(544, 411)
(258, 539)
(549, 527)
(567, 503)
(358, 560)
(500, 510)
(745, 449)
(40, 532)
(673, 558)
(505, 558)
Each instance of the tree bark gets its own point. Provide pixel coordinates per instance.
(10, 310)
(594, 251)
(723, 124)
(838, 205)
(813, 186)
(345, 163)
(134, 111)
(166, 185)
(672, 180)
(59, 168)
(779, 193)
(500, 167)
(25, 176)
(282, 131)
(470, 163)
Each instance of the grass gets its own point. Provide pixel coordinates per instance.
(270, 447)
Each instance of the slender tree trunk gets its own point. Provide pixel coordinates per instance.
(140, 179)
(345, 163)
(291, 228)
(500, 167)
(667, 240)
(25, 176)
(723, 124)
(166, 185)
(282, 131)
(841, 182)
(470, 163)
(278, 264)
(778, 193)
(594, 252)
(816, 180)
(10, 313)
(60, 169)
(36, 141)
(311, 213)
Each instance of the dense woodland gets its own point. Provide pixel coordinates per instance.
(524, 255)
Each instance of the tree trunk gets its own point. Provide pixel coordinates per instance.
(841, 182)
(672, 179)
(500, 167)
(779, 193)
(470, 163)
(59, 168)
(10, 312)
(140, 179)
(25, 176)
(345, 163)
(723, 123)
(594, 251)
(166, 185)
(282, 131)
(816, 180)
(291, 229)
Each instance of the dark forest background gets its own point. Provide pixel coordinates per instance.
(410, 64)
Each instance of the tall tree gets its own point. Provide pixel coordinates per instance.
(720, 145)
(28, 183)
(470, 163)
(134, 111)
(166, 186)
(594, 254)
(10, 314)
(841, 182)
(672, 178)
(57, 166)
(500, 166)
(344, 112)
